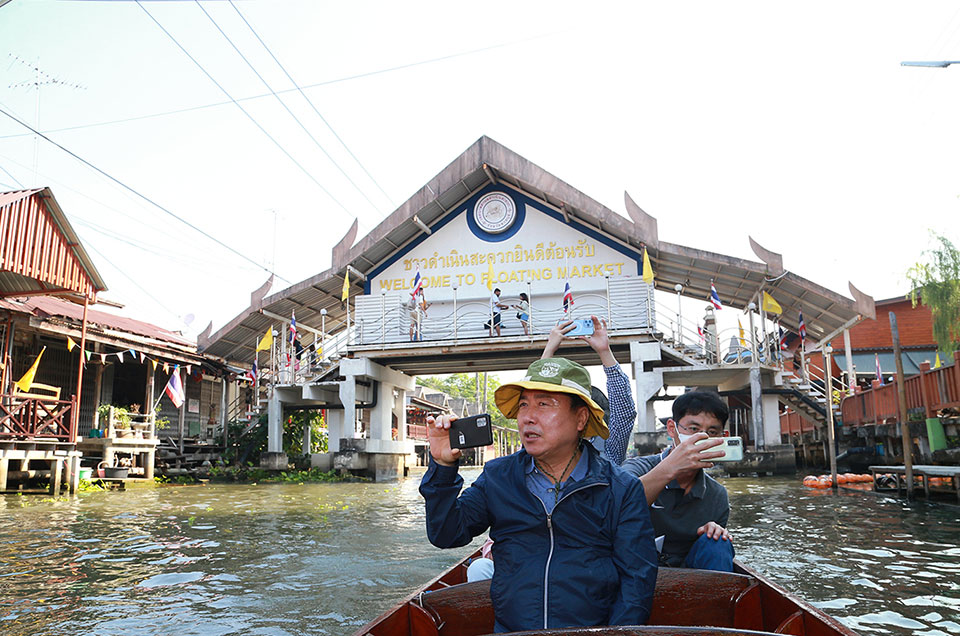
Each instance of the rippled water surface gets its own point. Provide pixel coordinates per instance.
(326, 558)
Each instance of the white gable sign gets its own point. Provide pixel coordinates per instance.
(501, 238)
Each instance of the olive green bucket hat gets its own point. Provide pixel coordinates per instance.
(557, 375)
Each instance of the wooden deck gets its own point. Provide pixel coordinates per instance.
(925, 473)
(21, 460)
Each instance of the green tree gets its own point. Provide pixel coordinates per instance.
(935, 282)
(464, 385)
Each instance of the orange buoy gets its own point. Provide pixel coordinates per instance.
(841, 478)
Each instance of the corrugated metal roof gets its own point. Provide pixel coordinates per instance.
(738, 281)
(46, 306)
(40, 253)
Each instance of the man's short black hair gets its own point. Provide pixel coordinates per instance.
(496, 289)
(696, 402)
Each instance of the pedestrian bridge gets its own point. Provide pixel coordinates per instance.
(359, 344)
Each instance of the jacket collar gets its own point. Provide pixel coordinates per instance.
(596, 471)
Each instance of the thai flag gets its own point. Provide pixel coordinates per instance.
(876, 357)
(700, 331)
(252, 373)
(567, 297)
(174, 388)
(293, 326)
(417, 284)
(715, 297)
(783, 338)
(803, 329)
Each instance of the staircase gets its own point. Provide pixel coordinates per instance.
(808, 398)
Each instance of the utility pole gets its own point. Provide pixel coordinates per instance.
(902, 396)
(828, 378)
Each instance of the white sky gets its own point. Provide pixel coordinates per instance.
(794, 123)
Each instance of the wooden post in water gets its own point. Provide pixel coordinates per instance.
(828, 379)
(902, 396)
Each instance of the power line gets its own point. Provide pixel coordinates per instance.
(188, 109)
(142, 196)
(15, 180)
(287, 108)
(242, 109)
(136, 284)
(304, 95)
(51, 180)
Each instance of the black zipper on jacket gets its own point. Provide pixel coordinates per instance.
(546, 571)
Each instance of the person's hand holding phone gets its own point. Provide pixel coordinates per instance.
(438, 435)
(557, 334)
(689, 456)
(600, 342)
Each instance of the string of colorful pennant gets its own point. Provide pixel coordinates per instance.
(138, 356)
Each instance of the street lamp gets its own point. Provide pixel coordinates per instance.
(940, 64)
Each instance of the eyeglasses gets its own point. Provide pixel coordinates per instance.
(711, 431)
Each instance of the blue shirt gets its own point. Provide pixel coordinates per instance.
(623, 414)
(541, 486)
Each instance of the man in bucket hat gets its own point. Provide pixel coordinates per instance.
(573, 540)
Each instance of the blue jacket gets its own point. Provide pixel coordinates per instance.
(593, 561)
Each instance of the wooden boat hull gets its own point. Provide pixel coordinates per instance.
(686, 602)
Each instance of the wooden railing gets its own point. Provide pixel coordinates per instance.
(792, 423)
(37, 418)
(927, 393)
(133, 425)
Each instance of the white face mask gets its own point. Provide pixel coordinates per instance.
(681, 438)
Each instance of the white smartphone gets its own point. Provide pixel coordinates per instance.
(731, 446)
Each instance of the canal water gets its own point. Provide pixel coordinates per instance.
(326, 558)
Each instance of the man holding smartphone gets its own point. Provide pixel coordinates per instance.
(573, 542)
(688, 507)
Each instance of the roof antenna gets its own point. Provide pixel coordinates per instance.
(41, 78)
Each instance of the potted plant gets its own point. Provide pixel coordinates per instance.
(120, 417)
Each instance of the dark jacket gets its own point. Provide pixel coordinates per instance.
(592, 562)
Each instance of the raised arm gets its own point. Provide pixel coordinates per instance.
(452, 520)
(623, 410)
(557, 334)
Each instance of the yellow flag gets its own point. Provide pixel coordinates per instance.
(267, 341)
(770, 305)
(70, 343)
(346, 287)
(647, 270)
(153, 363)
(743, 340)
(936, 363)
(26, 382)
(489, 275)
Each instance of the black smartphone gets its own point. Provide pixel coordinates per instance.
(470, 432)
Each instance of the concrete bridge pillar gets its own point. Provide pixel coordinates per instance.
(649, 382)
(381, 416)
(348, 397)
(274, 458)
(400, 412)
(380, 456)
(335, 429)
